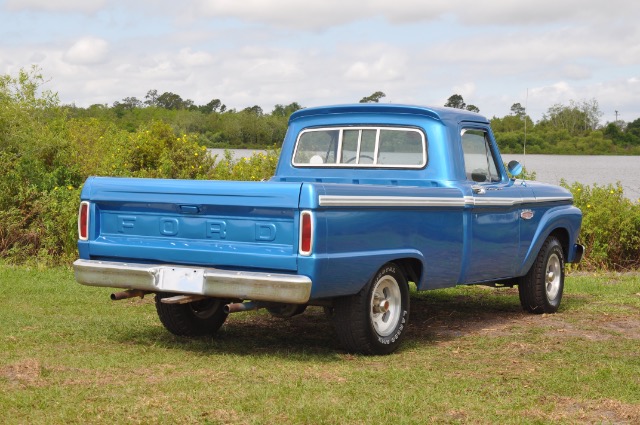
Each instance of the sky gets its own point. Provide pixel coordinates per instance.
(258, 52)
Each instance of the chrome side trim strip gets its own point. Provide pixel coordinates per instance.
(388, 201)
(543, 200)
(413, 201)
(210, 282)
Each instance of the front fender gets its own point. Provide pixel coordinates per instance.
(567, 219)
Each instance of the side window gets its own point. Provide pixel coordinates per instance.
(479, 162)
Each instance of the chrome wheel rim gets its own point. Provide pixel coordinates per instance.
(553, 277)
(386, 305)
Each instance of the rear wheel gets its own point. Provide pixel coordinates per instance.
(374, 320)
(541, 288)
(203, 317)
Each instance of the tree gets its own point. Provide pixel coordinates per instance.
(613, 132)
(285, 110)
(455, 101)
(518, 110)
(576, 118)
(214, 106)
(633, 132)
(188, 104)
(374, 98)
(151, 98)
(128, 103)
(255, 110)
(168, 100)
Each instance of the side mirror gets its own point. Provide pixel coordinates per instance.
(515, 168)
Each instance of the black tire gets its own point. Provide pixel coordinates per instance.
(203, 317)
(541, 288)
(374, 320)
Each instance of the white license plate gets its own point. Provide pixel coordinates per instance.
(182, 279)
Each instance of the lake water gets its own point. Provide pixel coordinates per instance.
(585, 169)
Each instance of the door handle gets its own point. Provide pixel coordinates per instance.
(478, 190)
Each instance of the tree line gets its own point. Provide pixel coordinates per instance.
(572, 128)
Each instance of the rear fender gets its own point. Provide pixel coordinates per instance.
(346, 274)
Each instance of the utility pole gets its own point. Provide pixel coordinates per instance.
(616, 116)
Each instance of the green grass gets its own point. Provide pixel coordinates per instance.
(70, 355)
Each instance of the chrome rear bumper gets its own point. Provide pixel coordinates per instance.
(195, 280)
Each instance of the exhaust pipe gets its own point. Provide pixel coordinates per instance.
(131, 293)
(237, 307)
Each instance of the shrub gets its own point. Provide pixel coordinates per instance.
(47, 156)
(260, 166)
(37, 158)
(610, 227)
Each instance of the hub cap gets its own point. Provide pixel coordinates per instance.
(553, 277)
(386, 305)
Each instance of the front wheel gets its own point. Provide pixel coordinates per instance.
(374, 320)
(203, 317)
(541, 288)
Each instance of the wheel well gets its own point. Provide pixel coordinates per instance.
(411, 267)
(563, 237)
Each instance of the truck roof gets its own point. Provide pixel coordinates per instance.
(439, 113)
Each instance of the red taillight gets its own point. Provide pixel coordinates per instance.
(83, 221)
(306, 232)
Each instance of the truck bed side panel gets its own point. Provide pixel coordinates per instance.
(361, 227)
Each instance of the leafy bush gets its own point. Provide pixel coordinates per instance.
(610, 227)
(37, 159)
(47, 156)
(260, 166)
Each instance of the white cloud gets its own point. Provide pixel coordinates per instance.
(189, 58)
(576, 72)
(256, 52)
(85, 6)
(382, 65)
(330, 13)
(467, 90)
(87, 51)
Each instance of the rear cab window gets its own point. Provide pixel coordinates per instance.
(372, 147)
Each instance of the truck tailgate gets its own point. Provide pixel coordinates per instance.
(208, 223)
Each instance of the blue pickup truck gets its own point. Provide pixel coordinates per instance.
(365, 199)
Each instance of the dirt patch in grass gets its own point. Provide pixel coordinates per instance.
(449, 319)
(224, 416)
(625, 327)
(590, 411)
(24, 373)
